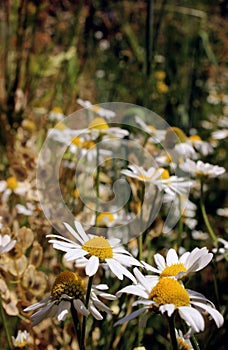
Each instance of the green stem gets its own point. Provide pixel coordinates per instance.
(76, 322)
(180, 226)
(172, 332)
(2, 314)
(97, 184)
(82, 340)
(195, 343)
(206, 221)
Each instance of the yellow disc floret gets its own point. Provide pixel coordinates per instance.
(100, 247)
(68, 283)
(98, 123)
(11, 183)
(104, 218)
(173, 270)
(169, 291)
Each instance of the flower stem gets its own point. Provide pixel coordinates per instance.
(194, 343)
(172, 332)
(2, 314)
(83, 332)
(76, 322)
(205, 217)
(97, 184)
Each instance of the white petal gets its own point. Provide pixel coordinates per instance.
(95, 312)
(147, 283)
(119, 270)
(63, 309)
(92, 265)
(171, 257)
(38, 305)
(80, 307)
(81, 231)
(126, 260)
(74, 233)
(74, 254)
(192, 317)
(135, 290)
(150, 268)
(169, 308)
(131, 316)
(215, 314)
(160, 261)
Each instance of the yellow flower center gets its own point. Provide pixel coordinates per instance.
(160, 75)
(195, 138)
(57, 110)
(152, 128)
(105, 217)
(68, 283)
(11, 183)
(20, 344)
(169, 291)
(173, 270)
(77, 141)
(165, 175)
(96, 108)
(182, 344)
(98, 123)
(174, 136)
(100, 247)
(144, 177)
(88, 144)
(60, 126)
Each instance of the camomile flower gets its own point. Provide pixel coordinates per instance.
(69, 290)
(159, 177)
(6, 244)
(93, 251)
(202, 169)
(11, 185)
(168, 296)
(102, 112)
(173, 266)
(21, 339)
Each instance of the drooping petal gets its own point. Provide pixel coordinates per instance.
(215, 314)
(192, 317)
(130, 317)
(92, 265)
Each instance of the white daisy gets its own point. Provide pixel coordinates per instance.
(173, 266)
(21, 339)
(137, 172)
(6, 244)
(102, 112)
(220, 134)
(11, 185)
(92, 251)
(168, 296)
(202, 169)
(69, 290)
(160, 177)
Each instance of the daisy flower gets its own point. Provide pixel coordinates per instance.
(102, 112)
(202, 169)
(92, 251)
(173, 266)
(21, 339)
(11, 185)
(6, 244)
(168, 296)
(69, 290)
(159, 177)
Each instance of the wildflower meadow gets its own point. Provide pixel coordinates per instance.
(113, 175)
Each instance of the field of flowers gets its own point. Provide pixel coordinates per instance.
(113, 175)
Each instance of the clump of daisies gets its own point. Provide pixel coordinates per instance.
(164, 292)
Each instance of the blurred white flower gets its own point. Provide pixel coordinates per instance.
(6, 244)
